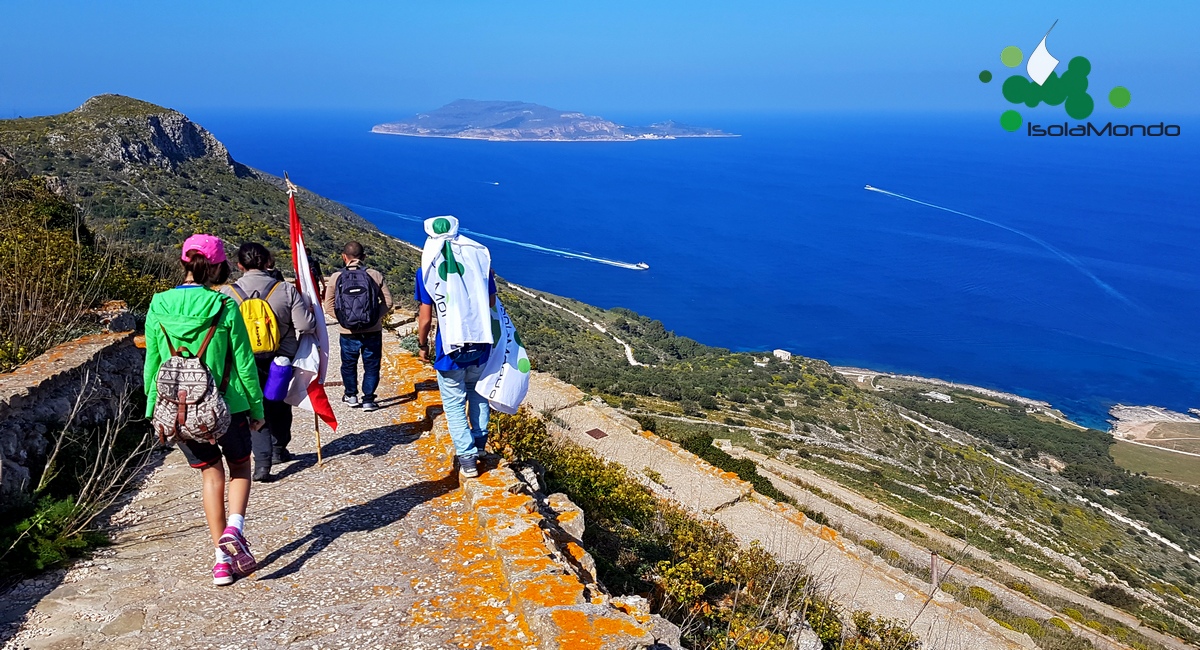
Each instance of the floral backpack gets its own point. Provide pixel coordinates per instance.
(190, 405)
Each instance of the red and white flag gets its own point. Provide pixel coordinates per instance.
(312, 358)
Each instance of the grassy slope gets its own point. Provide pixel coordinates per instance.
(1166, 465)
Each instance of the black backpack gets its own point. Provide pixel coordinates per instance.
(357, 300)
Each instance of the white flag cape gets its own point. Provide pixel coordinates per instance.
(455, 270)
(505, 380)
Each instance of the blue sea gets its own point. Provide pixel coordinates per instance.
(1074, 279)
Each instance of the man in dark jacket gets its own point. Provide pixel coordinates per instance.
(366, 341)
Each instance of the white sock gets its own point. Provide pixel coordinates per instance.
(222, 558)
(238, 522)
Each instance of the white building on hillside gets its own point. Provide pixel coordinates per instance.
(782, 355)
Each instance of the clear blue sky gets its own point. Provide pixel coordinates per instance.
(598, 56)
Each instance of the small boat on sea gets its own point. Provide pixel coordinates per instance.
(642, 266)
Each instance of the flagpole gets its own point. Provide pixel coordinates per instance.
(317, 428)
(291, 190)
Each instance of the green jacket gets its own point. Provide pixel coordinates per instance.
(186, 313)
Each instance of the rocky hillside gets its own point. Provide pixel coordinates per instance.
(149, 176)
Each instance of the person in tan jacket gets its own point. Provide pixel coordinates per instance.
(359, 299)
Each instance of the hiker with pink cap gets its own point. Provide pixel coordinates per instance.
(202, 393)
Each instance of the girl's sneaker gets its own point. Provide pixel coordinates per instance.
(222, 574)
(238, 549)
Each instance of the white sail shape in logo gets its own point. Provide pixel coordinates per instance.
(1041, 62)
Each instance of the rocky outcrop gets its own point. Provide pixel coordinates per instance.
(10, 168)
(148, 135)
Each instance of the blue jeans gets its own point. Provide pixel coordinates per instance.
(370, 346)
(467, 412)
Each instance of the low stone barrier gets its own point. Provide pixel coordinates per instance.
(92, 376)
(551, 578)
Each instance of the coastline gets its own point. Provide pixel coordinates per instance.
(1158, 428)
(867, 376)
(1139, 425)
(606, 139)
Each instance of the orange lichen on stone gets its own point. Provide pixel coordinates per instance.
(578, 631)
(481, 606)
(548, 591)
(828, 534)
(637, 614)
(796, 517)
(576, 551)
(506, 501)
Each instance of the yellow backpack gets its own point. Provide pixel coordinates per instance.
(261, 323)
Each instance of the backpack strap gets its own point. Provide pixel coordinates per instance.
(274, 286)
(241, 295)
(211, 330)
(172, 348)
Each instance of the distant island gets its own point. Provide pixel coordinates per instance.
(514, 121)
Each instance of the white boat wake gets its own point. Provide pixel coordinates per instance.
(640, 266)
(1107, 288)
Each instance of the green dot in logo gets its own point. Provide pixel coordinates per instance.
(1119, 97)
(985, 76)
(1011, 56)
(1079, 106)
(441, 226)
(1010, 120)
(523, 365)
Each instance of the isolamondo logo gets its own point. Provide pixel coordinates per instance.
(1070, 91)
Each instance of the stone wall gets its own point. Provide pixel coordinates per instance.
(99, 372)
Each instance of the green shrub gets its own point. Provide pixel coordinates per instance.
(37, 541)
(87, 470)
(980, 595)
(881, 634)
(647, 423)
(1020, 587)
(1059, 623)
(52, 269)
(1115, 596)
(701, 445)
(695, 573)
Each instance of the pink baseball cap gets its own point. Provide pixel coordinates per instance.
(212, 248)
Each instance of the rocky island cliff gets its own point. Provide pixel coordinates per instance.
(470, 119)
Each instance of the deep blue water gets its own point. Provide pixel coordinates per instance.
(769, 240)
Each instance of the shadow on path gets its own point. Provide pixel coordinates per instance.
(367, 517)
(380, 440)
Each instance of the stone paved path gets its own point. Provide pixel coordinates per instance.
(374, 549)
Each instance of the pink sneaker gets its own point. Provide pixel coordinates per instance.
(238, 549)
(222, 574)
